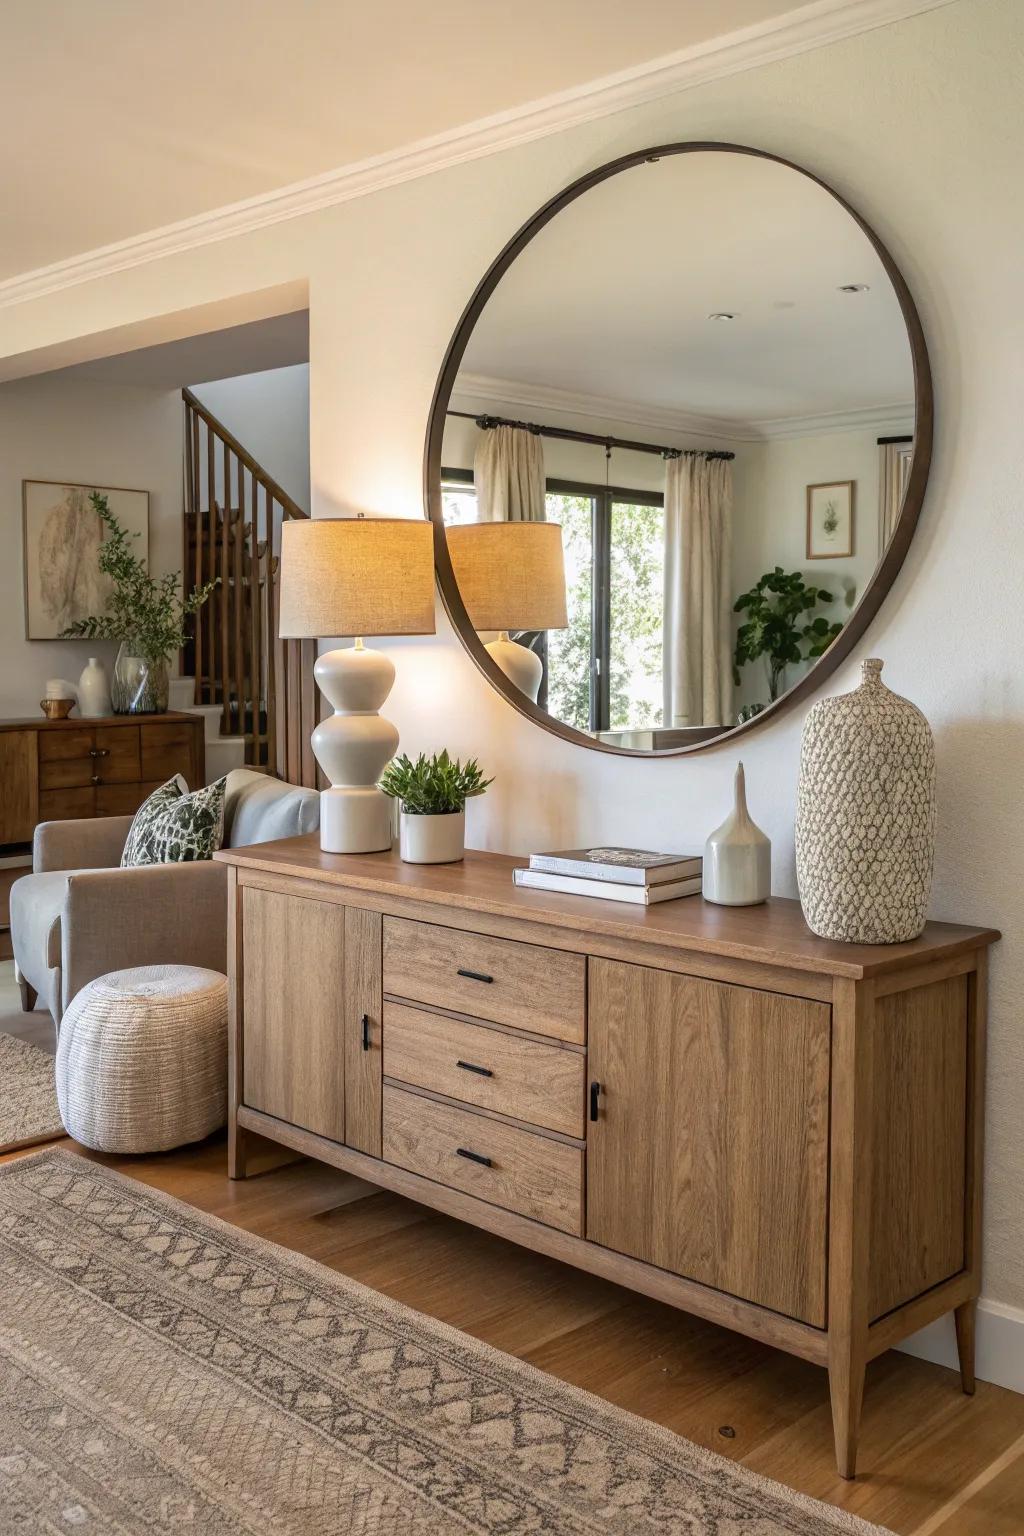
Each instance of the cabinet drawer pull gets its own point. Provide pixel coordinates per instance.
(366, 1031)
(595, 1094)
(96, 779)
(467, 1066)
(473, 975)
(474, 1157)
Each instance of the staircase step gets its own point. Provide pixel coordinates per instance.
(223, 754)
(182, 692)
(212, 715)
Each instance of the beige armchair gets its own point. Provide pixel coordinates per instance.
(79, 914)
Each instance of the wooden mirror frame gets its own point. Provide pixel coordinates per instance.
(885, 572)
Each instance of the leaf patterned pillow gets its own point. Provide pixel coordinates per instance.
(175, 827)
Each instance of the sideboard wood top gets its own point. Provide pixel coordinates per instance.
(90, 722)
(772, 934)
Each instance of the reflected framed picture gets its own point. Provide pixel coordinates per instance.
(830, 520)
(62, 538)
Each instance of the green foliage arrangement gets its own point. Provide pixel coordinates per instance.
(149, 613)
(433, 786)
(777, 624)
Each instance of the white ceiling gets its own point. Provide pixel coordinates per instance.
(121, 116)
(278, 342)
(612, 299)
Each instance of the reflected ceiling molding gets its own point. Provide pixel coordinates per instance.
(475, 389)
(800, 30)
(472, 388)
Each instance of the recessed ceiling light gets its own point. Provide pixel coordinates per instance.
(854, 288)
(722, 314)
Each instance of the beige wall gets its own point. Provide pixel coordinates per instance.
(920, 126)
(82, 432)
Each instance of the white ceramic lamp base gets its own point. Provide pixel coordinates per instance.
(519, 664)
(352, 747)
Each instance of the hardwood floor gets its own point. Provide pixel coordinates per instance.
(934, 1463)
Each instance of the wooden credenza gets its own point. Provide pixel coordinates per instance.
(709, 1105)
(52, 770)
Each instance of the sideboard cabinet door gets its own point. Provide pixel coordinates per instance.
(293, 991)
(709, 1154)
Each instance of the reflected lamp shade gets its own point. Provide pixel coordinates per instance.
(511, 576)
(355, 576)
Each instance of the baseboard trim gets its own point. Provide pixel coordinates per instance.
(999, 1344)
(800, 30)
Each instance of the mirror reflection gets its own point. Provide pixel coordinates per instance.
(699, 373)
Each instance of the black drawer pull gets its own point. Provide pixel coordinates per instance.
(595, 1094)
(474, 975)
(474, 1157)
(467, 1066)
(366, 1031)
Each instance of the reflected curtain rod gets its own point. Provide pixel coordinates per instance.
(485, 422)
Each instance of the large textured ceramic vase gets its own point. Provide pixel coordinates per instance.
(865, 825)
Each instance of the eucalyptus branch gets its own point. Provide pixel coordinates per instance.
(148, 612)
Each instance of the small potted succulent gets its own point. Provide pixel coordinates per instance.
(432, 794)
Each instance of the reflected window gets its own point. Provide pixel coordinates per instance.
(604, 670)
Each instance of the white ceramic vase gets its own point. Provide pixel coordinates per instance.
(865, 824)
(737, 857)
(94, 690)
(432, 839)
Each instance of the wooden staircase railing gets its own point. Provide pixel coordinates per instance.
(233, 516)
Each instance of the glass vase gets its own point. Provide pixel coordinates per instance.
(140, 684)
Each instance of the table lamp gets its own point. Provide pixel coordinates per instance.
(511, 576)
(355, 576)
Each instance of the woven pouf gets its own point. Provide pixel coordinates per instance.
(142, 1059)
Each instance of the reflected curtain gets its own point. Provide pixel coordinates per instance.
(893, 474)
(508, 471)
(697, 638)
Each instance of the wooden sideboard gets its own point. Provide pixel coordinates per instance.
(708, 1105)
(52, 770)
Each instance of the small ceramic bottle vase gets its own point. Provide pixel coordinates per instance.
(738, 857)
(93, 690)
(865, 824)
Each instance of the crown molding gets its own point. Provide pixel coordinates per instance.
(797, 31)
(472, 388)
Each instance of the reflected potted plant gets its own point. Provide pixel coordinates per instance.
(432, 794)
(777, 624)
(145, 614)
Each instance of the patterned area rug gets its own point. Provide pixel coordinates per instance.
(162, 1371)
(28, 1096)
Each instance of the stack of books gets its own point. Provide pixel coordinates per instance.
(614, 874)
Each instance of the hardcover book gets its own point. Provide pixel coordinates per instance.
(607, 890)
(625, 866)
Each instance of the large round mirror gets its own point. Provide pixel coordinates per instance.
(677, 448)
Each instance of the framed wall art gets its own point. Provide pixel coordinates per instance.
(830, 520)
(62, 535)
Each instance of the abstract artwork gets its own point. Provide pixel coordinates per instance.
(62, 538)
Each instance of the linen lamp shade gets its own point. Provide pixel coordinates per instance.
(356, 576)
(510, 575)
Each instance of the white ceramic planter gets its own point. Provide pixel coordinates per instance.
(433, 839)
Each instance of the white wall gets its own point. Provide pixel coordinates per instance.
(269, 414)
(920, 125)
(81, 432)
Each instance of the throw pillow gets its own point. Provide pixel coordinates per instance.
(175, 827)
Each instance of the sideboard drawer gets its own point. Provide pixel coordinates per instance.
(67, 773)
(525, 985)
(527, 1079)
(167, 750)
(513, 1168)
(55, 746)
